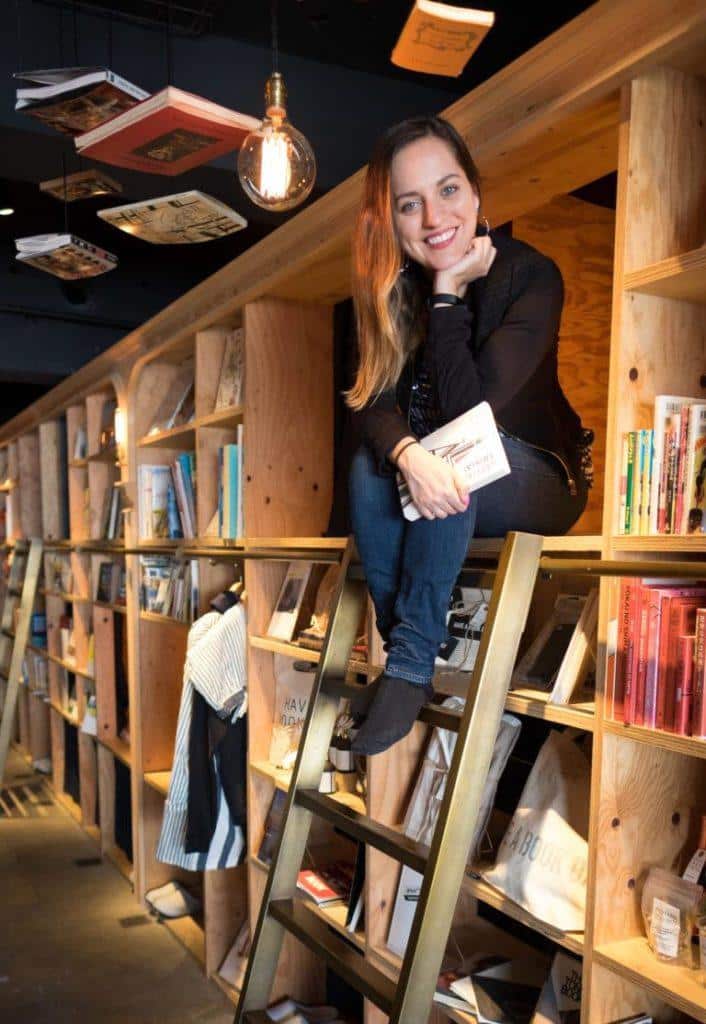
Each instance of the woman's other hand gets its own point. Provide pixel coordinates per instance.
(476, 263)
(436, 488)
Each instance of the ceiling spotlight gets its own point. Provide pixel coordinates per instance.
(6, 211)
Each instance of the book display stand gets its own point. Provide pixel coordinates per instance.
(620, 88)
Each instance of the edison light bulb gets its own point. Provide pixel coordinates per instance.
(276, 164)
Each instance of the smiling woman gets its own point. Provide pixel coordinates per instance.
(447, 316)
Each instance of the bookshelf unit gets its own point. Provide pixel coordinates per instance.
(621, 87)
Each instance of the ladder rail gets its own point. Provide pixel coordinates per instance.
(458, 814)
(346, 607)
(19, 646)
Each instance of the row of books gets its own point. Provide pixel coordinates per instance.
(169, 587)
(112, 526)
(663, 471)
(167, 499)
(656, 656)
(230, 489)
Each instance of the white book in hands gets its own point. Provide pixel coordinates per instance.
(472, 445)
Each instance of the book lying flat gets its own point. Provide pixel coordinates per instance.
(65, 256)
(471, 444)
(439, 38)
(76, 100)
(169, 133)
(81, 185)
(181, 219)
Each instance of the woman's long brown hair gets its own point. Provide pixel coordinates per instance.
(389, 304)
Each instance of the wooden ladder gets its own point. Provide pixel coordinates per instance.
(25, 566)
(442, 865)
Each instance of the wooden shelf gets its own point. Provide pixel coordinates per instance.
(177, 437)
(662, 543)
(688, 745)
(119, 608)
(228, 417)
(158, 617)
(7, 485)
(64, 664)
(105, 455)
(118, 748)
(155, 546)
(159, 781)
(679, 277)
(191, 935)
(678, 986)
(69, 804)
(291, 650)
(580, 715)
(335, 917)
(281, 779)
(229, 991)
(78, 463)
(573, 941)
(71, 719)
(73, 598)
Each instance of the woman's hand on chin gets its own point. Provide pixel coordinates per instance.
(435, 487)
(476, 263)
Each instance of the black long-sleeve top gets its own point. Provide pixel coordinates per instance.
(501, 346)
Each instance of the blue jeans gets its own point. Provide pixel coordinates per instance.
(411, 568)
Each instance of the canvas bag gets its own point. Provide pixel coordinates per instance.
(293, 684)
(543, 859)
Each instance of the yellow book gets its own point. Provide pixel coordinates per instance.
(439, 39)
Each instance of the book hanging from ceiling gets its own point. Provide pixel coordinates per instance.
(64, 255)
(81, 185)
(181, 219)
(169, 133)
(75, 100)
(440, 39)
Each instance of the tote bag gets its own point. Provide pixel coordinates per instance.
(543, 859)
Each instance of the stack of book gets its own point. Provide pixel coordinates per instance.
(167, 499)
(110, 587)
(230, 491)
(656, 656)
(169, 587)
(664, 470)
(113, 524)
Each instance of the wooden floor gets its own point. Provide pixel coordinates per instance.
(75, 947)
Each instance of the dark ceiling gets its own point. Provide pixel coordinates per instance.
(343, 91)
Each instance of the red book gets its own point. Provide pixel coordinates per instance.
(169, 133)
(639, 670)
(680, 621)
(698, 707)
(683, 682)
(623, 695)
(658, 602)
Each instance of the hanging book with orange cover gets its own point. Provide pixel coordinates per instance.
(439, 39)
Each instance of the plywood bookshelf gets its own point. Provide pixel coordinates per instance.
(620, 88)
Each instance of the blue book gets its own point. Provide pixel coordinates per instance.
(234, 486)
(173, 520)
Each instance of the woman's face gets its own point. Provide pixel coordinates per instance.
(434, 206)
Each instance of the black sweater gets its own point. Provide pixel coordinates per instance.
(501, 346)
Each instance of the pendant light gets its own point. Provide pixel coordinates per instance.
(276, 164)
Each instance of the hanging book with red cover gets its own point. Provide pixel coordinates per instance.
(169, 133)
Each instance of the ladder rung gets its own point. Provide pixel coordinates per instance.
(345, 960)
(390, 842)
(431, 714)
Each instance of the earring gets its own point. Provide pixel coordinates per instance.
(404, 269)
(486, 225)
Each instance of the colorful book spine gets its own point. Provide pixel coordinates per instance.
(645, 478)
(622, 694)
(698, 711)
(665, 405)
(692, 520)
(629, 481)
(683, 684)
(623, 485)
(678, 509)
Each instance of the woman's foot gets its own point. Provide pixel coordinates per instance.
(360, 704)
(393, 711)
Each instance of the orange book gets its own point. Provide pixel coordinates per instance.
(439, 39)
(169, 133)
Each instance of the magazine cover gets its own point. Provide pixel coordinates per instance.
(182, 219)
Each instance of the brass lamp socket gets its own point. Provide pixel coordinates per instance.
(275, 96)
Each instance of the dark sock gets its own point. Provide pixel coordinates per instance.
(360, 704)
(392, 713)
